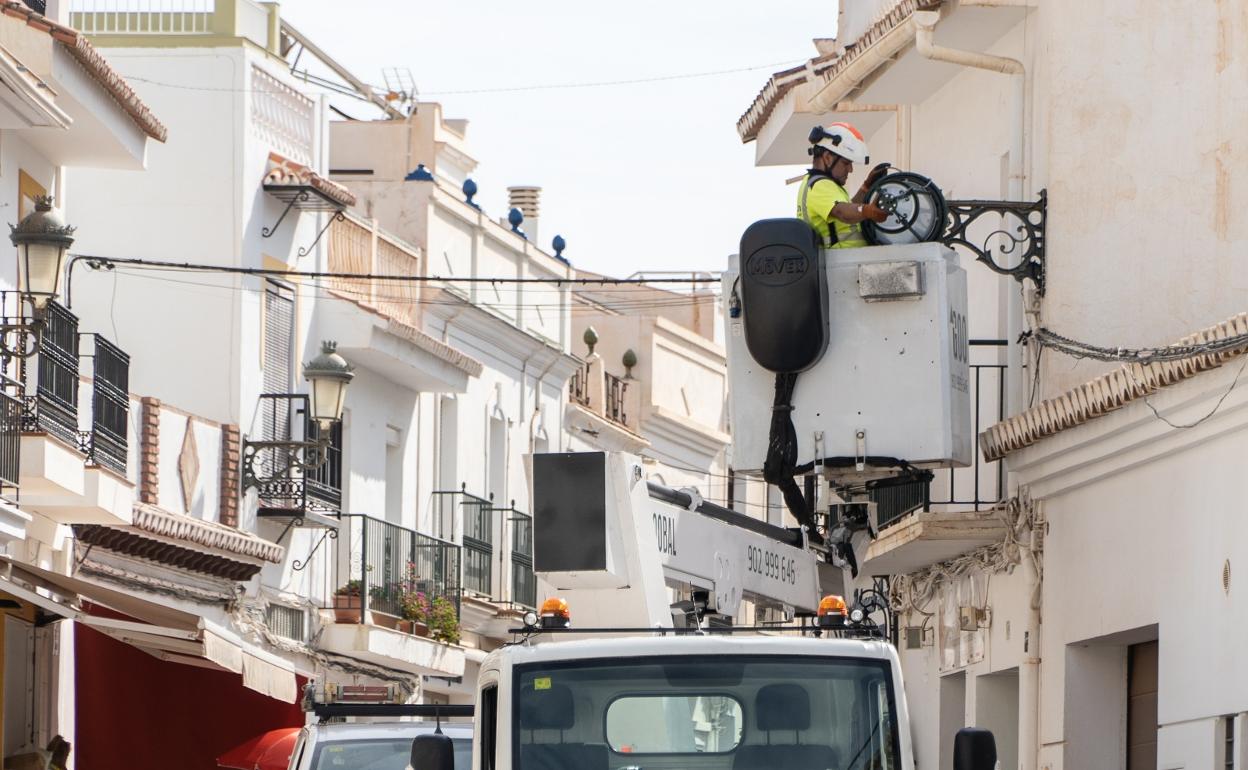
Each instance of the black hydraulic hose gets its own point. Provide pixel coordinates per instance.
(781, 462)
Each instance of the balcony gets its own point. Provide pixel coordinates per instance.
(657, 378)
(379, 326)
(937, 516)
(523, 581)
(382, 566)
(285, 490)
(604, 407)
(172, 18)
(478, 538)
(71, 473)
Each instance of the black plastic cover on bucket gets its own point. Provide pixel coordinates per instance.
(784, 295)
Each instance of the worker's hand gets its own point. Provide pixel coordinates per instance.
(876, 175)
(874, 213)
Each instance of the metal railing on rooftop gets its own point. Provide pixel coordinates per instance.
(616, 388)
(578, 386)
(139, 17)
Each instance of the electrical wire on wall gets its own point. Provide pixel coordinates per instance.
(915, 592)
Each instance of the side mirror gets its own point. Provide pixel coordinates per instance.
(974, 749)
(432, 751)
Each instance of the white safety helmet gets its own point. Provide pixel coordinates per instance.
(840, 139)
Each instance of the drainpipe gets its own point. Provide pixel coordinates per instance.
(1029, 668)
(924, 43)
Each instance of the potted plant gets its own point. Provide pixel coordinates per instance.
(348, 603)
(443, 621)
(385, 604)
(416, 611)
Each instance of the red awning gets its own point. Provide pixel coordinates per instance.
(267, 751)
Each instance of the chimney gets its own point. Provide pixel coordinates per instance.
(526, 199)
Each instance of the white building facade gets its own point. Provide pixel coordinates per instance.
(1086, 613)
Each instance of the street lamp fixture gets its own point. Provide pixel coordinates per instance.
(42, 239)
(328, 375)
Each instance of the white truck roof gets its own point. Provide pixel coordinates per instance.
(562, 648)
(365, 731)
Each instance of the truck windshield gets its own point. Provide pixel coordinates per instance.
(730, 713)
(380, 754)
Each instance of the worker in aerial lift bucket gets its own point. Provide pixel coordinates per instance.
(822, 201)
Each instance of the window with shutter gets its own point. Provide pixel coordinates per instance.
(278, 372)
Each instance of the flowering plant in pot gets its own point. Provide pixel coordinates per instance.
(348, 602)
(443, 621)
(416, 610)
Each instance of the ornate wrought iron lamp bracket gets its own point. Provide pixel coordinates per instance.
(303, 456)
(1020, 241)
(11, 347)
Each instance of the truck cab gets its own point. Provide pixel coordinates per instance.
(693, 702)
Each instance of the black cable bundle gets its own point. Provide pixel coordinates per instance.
(781, 462)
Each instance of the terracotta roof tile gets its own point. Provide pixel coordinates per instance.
(95, 64)
(285, 172)
(824, 67)
(149, 518)
(1112, 390)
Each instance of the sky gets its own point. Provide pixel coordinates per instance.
(641, 177)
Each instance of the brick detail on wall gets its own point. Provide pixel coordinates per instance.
(149, 451)
(231, 457)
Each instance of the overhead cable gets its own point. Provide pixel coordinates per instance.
(1062, 344)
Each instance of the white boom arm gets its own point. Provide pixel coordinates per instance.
(654, 537)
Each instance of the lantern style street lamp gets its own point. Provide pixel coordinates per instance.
(328, 375)
(42, 239)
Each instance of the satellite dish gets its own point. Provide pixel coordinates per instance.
(916, 207)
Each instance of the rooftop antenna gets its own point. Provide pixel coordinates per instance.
(400, 87)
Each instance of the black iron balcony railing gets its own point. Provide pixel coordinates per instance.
(11, 418)
(978, 487)
(616, 388)
(323, 484)
(895, 498)
(523, 581)
(390, 561)
(983, 484)
(54, 407)
(478, 544)
(110, 407)
(578, 386)
(476, 517)
(283, 487)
